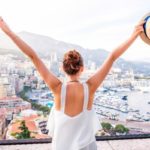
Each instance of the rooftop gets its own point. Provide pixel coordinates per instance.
(10, 98)
(126, 144)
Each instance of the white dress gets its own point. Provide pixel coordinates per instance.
(78, 132)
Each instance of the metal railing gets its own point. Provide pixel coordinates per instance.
(49, 140)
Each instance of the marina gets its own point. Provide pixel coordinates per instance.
(124, 105)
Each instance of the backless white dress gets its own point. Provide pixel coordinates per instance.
(78, 132)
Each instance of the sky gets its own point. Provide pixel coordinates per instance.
(91, 24)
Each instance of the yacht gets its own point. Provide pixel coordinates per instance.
(121, 89)
(125, 97)
(144, 89)
(138, 117)
(107, 114)
(133, 110)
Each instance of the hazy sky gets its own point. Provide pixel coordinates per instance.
(89, 23)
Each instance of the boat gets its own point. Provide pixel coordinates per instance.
(145, 89)
(146, 118)
(133, 110)
(121, 108)
(111, 101)
(133, 118)
(121, 89)
(107, 114)
(125, 97)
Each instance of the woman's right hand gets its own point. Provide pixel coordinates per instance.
(4, 26)
(138, 29)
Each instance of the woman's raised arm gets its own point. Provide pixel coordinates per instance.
(95, 81)
(50, 79)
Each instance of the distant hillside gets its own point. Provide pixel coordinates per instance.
(44, 45)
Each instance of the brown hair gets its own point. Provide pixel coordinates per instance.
(72, 62)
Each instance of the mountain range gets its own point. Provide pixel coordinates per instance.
(45, 45)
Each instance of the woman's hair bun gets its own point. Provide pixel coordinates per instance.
(72, 62)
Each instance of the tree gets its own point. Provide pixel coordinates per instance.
(40, 107)
(44, 109)
(25, 133)
(121, 129)
(106, 126)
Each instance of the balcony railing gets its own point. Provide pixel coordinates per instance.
(98, 138)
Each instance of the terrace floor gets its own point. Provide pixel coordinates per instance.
(128, 144)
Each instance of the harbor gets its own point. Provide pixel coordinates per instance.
(123, 105)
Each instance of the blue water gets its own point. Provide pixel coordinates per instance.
(50, 104)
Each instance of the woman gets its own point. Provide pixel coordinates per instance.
(74, 129)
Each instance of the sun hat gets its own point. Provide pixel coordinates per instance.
(145, 36)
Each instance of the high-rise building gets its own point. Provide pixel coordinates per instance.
(2, 121)
(3, 91)
(54, 64)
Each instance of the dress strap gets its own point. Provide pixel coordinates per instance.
(86, 95)
(63, 96)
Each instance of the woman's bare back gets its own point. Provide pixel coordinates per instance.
(74, 99)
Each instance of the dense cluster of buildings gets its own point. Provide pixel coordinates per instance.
(16, 75)
(9, 106)
(35, 122)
